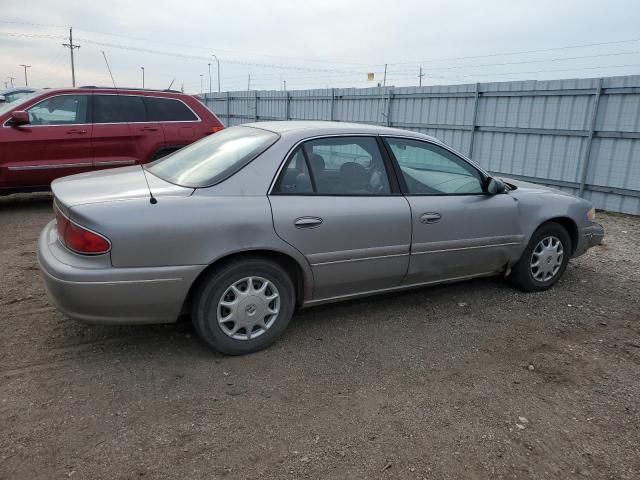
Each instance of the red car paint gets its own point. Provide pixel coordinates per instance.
(76, 130)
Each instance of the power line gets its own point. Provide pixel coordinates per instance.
(521, 52)
(200, 47)
(554, 70)
(613, 54)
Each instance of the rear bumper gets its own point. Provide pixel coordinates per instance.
(101, 294)
(589, 237)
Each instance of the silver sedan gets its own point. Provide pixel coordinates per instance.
(248, 224)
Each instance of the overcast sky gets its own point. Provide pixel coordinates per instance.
(317, 44)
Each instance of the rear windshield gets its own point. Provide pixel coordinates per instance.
(214, 158)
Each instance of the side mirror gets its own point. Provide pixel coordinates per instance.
(2, 99)
(495, 186)
(19, 117)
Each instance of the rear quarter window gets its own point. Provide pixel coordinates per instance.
(168, 110)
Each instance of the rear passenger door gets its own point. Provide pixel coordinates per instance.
(334, 202)
(112, 142)
(180, 125)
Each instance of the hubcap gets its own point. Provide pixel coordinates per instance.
(248, 308)
(546, 258)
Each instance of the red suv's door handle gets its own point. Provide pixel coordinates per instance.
(76, 130)
(149, 129)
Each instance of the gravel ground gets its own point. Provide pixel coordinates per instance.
(474, 380)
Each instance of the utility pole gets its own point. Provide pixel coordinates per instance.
(200, 83)
(384, 79)
(284, 84)
(420, 75)
(72, 47)
(249, 82)
(11, 79)
(209, 78)
(26, 82)
(218, 66)
(142, 68)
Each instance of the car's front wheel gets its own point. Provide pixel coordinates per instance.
(544, 260)
(244, 306)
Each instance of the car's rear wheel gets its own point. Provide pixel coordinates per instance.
(243, 306)
(544, 260)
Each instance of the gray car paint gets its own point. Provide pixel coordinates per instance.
(363, 246)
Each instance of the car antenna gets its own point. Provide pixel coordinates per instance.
(152, 199)
(169, 88)
(109, 68)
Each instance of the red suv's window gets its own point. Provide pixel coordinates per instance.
(60, 110)
(168, 110)
(118, 109)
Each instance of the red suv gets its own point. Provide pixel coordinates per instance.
(53, 133)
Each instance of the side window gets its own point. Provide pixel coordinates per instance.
(133, 107)
(168, 110)
(118, 109)
(295, 178)
(347, 166)
(432, 170)
(59, 110)
(335, 166)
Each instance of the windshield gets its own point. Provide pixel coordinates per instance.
(13, 103)
(214, 158)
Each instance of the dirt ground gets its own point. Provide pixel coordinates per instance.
(474, 380)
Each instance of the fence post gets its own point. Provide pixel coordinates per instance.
(228, 110)
(476, 100)
(287, 106)
(255, 105)
(388, 114)
(332, 105)
(587, 149)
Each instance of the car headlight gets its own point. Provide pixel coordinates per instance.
(591, 214)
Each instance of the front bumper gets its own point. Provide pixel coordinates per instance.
(590, 236)
(89, 290)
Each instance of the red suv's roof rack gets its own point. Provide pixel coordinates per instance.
(132, 88)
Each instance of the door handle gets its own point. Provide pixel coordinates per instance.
(76, 130)
(430, 217)
(149, 129)
(307, 222)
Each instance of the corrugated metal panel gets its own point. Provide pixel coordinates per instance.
(538, 130)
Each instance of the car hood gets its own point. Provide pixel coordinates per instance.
(527, 187)
(112, 185)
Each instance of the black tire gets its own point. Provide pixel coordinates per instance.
(523, 277)
(210, 290)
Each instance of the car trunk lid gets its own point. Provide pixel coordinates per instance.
(112, 185)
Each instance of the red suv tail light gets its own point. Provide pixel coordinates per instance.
(79, 239)
(217, 129)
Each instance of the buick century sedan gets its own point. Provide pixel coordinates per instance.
(243, 227)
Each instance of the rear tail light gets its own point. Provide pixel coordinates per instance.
(78, 238)
(217, 129)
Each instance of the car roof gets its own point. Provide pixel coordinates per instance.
(18, 89)
(136, 91)
(315, 127)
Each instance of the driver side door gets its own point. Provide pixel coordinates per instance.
(56, 142)
(458, 230)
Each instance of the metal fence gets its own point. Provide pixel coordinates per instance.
(582, 136)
